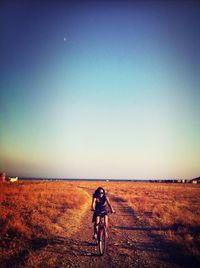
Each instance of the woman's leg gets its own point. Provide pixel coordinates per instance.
(96, 225)
(106, 224)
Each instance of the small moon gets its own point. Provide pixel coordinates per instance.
(65, 38)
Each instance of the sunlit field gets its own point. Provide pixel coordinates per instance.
(32, 210)
(174, 209)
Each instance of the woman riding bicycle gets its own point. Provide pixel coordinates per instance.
(100, 202)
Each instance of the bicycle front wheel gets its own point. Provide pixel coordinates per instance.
(102, 241)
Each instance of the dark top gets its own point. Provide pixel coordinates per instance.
(100, 203)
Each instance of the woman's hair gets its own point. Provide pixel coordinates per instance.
(96, 193)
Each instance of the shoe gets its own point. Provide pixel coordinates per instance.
(95, 236)
(106, 234)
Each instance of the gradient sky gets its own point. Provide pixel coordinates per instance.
(101, 89)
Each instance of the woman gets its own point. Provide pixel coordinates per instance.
(100, 202)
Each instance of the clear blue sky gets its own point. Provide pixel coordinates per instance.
(100, 89)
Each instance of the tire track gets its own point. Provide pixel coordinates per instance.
(128, 245)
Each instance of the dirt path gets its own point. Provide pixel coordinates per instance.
(129, 245)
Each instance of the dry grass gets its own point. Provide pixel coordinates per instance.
(174, 209)
(167, 204)
(32, 210)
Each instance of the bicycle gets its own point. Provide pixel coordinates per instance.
(101, 233)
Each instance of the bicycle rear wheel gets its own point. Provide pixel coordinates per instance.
(102, 241)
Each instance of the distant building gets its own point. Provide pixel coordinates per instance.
(195, 180)
(181, 181)
(3, 177)
(13, 179)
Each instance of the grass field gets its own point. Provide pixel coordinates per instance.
(174, 209)
(32, 210)
(44, 209)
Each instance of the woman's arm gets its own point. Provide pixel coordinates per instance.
(109, 204)
(93, 203)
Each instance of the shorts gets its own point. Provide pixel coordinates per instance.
(98, 213)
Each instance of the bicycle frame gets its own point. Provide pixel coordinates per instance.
(101, 226)
(101, 232)
(101, 235)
